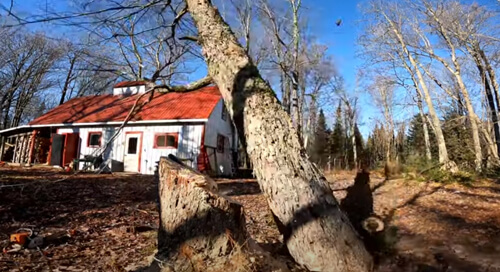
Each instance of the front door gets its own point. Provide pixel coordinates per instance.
(57, 149)
(132, 154)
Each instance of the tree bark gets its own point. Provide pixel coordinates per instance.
(317, 233)
(474, 123)
(442, 150)
(354, 149)
(295, 75)
(285, 91)
(492, 75)
(493, 113)
(69, 78)
(428, 154)
(199, 229)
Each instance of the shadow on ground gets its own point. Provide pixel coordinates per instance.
(428, 227)
(104, 218)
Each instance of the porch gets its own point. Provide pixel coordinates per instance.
(29, 146)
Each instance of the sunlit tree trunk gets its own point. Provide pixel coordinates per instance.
(295, 77)
(493, 113)
(425, 129)
(316, 232)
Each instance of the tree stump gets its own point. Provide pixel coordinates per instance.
(199, 229)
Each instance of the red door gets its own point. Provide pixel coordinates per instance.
(70, 148)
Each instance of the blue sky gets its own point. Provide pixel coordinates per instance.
(341, 42)
(321, 16)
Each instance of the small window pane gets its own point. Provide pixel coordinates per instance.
(95, 139)
(171, 140)
(132, 146)
(224, 112)
(220, 143)
(160, 140)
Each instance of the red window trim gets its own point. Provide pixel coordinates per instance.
(175, 134)
(88, 138)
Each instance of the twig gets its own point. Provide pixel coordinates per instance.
(45, 258)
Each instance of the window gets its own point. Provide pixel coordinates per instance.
(132, 146)
(224, 112)
(94, 139)
(166, 140)
(221, 141)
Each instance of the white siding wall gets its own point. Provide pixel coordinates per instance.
(188, 148)
(215, 125)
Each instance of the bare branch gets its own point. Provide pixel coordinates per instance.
(186, 88)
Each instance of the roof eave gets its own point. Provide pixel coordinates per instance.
(90, 124)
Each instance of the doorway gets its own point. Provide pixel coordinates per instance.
(132, 154)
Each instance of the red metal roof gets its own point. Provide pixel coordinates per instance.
(129, 83)
(108, 108)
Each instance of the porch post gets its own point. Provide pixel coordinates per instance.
(16, 149)
(32, 146)
(2, 146)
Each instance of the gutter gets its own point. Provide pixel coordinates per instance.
(146, 122)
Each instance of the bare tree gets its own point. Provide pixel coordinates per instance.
(244, 16)
(470, 26)
(29, 60)
(389, 27)
(318, 72)
(350, 101)
(276, 29)
(433, 15)
(148, 48)
(382, 92)
(286, 40)
(295, 70)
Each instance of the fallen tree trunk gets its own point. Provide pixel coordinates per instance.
(318, 235)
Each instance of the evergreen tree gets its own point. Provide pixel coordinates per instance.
(377, 146)
(337, 141)
(415, 142)
(457, 132)
(320, 145)
(368, 156)
(360, 145)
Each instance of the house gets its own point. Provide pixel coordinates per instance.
(194, 126)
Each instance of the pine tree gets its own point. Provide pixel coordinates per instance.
(457, 132)
(415, 142)
(320, 146)
(337, 141)
(360, 145)
(368, 159)
(378, 146)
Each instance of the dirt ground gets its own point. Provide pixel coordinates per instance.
(108, 222)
